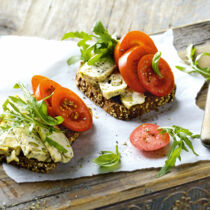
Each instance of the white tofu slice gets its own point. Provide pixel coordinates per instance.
(99, 71)
(31, 145)
(130, 98)
(9, 145)
(114, 85)
(60, 139)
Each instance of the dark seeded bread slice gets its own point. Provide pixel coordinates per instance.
(31, 164)
(2, 159)
(39, 166)
(34, 165)
(114, 106)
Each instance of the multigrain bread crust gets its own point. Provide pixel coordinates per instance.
(114, 107)
(39, 166)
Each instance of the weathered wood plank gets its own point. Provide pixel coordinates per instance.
(51, 19)
(193, 34)
(194, 195)
(98, 190)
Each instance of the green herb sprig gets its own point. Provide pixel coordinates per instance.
(93, 47)
(108, 159)
(192, 61)
(181, 141)
(155, 62)
(29, 112)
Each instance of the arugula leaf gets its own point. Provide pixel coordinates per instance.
(39, 108)
(192, 61)
(30, 113)
(108, 159)
(73, 59)
(93, 47)
(181, 140)
(53, 143)
(155, 62)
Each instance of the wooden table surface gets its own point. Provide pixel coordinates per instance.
(186, 187)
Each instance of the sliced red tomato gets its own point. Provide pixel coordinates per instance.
(70, 106)
(45, 88)
(151, 81)
(131, 39)
(147, 137)
(36, 79)
(128, 65)
(117, 53)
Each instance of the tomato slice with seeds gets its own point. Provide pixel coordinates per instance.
(70, 106)
(36, 79)
(132, 39)
(147, 137)
(128, 65)
(151, 81)
(45, 88)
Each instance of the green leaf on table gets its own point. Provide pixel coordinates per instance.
(108, 159)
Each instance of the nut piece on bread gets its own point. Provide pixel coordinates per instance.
(114, 106)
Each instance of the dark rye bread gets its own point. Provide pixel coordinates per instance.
(39, 166)
(114, 107)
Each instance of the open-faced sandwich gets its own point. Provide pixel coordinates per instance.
(36, 130)
(127, 78)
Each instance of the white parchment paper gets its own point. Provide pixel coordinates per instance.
(22, 57)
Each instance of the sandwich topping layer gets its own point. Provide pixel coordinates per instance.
(26, 130)
(115, 107)
(33, 145)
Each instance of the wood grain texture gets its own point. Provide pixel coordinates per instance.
(194, 195)
(51, 19)
(97, 191)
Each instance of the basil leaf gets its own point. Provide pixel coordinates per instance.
(155, 62)
(108, 159)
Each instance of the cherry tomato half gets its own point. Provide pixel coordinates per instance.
(128, 65)
(36, 79)
(45, 88)
(131, 39)
(70, 106)
(147, 137)
(151, 81)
